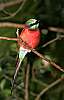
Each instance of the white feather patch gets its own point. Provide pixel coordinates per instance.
(23, 52)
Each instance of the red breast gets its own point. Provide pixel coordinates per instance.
(31, 37)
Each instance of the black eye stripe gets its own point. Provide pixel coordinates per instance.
(34, 23)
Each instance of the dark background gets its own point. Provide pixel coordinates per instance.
(50, 13)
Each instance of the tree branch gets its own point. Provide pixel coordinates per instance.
(55, 29)
(15, 13)
(7, 38)
(52, 63)
(53, 40)
(26, 83)
(9, 24)
(48, 87)
(8, 4)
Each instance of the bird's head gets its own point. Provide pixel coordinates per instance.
(32, 24)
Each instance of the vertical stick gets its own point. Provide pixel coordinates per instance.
(26, 82)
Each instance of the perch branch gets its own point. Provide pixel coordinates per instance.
(7, 38)
(37, 53)
(51, 62)
(48, 87)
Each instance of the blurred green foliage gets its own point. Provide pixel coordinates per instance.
(50, 13)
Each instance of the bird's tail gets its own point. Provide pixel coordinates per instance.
(21, 55)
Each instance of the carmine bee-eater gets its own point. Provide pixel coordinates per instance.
(29, 35)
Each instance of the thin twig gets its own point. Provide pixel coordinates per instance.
(31, 93)
(6, 77)
(48, 87)
(49, 42)
(26, 83)
(15, 13)
(8, 4)
(53, 40)
(40, 82)
(6, 12)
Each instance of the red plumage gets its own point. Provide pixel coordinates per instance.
(31, 37)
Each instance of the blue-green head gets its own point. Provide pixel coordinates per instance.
(32, 24)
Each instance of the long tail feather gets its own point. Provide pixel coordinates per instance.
(16, 72)
(22, 53)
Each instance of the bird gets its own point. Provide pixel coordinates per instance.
(29, 38)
